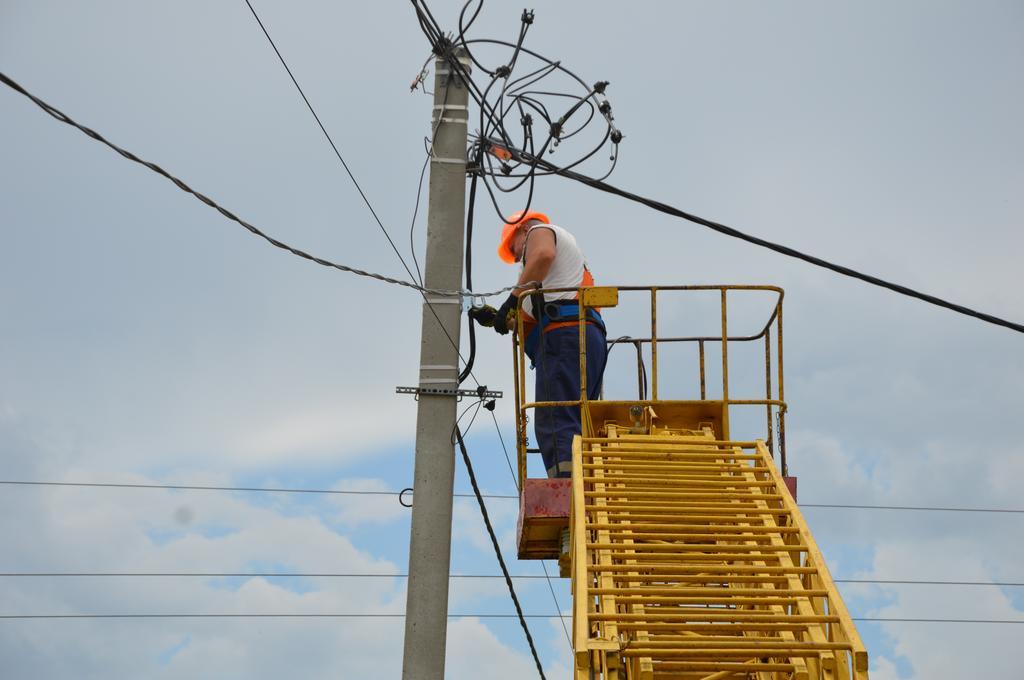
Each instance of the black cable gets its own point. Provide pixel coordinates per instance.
(184, 487)
(415, 211)
(556, 65)
(193, 487)
(784, 250)
(927, 583)
(497, 549)
(898, 620)
(329, 140)
(232, 574)
(369, 615)
(504, 449)
(64, 118)
(376, 615)
(642, 366)
(462, 33)
(419, 186)
(476, 405)
(904, 507)
(547, 576)
(292, 574)
(394, 247)
(457, 434)
(523, 157)
(471, 209)
(470, 213)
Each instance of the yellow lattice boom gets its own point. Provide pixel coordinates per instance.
(688, 554)
(691, 560)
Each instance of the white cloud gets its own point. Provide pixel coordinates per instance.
(473, 649)
(940, 650)
(141, 336)
(339, 431)
(367, 509)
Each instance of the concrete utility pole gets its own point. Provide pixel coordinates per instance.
(426, 609)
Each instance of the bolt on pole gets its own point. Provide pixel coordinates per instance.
(426, 611)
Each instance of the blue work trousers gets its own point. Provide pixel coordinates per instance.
(558, 379)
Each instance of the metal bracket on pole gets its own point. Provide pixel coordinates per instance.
(449, 392)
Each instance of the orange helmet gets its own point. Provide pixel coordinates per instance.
(512, 222)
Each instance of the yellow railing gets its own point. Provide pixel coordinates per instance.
(774, 394)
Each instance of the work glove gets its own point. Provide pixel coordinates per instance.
(484, 315)
(505, 313)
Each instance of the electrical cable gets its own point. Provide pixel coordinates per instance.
(504, 449)
(383, 615)
(415, 211)
(445, 48)
(366, 615)
(192, 487)
(497, 550)
(292, 574)
(419, 186)
(366, 200)
(905, 507)
(470, 324)
(330, 141)
(337, 153)
(469, 465)
(471, 211)
(64, 118)
(554, 597)
(776, 247)
(524, 157)
(457, 436)
(238, 574)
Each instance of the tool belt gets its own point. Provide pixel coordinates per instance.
(558, 311)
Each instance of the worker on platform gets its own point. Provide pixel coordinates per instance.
(548, 254)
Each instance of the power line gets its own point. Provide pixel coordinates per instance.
(497, 548)
(906, 507)
(64, 118)
(352, 615)
(901, 620)
(928, 583)
(314, 574)
(257, 490)
(366, 200)
(543, 566)
(195, 487)
(361, 492)
(536, 161)
(237, 574)
(384, 615)
(330, 141)
(764, 243)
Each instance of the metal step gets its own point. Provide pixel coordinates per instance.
(691, 560)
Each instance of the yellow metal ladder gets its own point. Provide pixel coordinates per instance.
(691, 560)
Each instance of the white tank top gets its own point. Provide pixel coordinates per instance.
(567, 269)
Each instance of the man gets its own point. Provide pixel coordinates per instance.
(548, 254)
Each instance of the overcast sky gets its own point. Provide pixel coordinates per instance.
(145, 339)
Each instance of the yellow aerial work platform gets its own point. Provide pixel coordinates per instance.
(689, 557)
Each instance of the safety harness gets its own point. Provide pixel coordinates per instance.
(558, 311)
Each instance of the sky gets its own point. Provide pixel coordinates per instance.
(145, 339)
